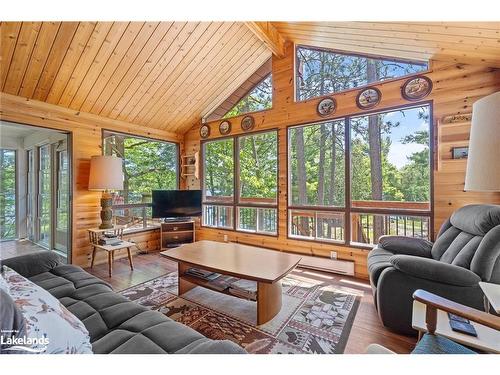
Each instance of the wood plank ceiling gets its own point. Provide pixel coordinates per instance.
(169, 75)
(461, 42)
(164, 75)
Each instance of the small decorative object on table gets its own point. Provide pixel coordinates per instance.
(460, 152)
(247, 123)
(416, 88)
(225, 127)
(326, 106)
(204, 131)
(368, 98)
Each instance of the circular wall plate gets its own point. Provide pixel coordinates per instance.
(225, 127)
(368, 98)
(326, 106)
(204, 131)
(247, 123)
(416, 88)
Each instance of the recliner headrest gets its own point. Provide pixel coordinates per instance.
(476, 219)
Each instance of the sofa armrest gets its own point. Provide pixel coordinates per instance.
(406, 245)
(32, 264)
(434, 270)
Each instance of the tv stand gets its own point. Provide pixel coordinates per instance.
(174, 233)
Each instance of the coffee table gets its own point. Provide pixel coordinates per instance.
(266, 267)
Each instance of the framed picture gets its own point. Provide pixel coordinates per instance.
(460, 152)
(368, 98)
(247, 123)
(204, 131)
(416, 88)
(326, 106)
(225, 127)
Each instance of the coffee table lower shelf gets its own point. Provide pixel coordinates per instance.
(268, 294)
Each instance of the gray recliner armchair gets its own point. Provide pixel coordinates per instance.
(466, 251)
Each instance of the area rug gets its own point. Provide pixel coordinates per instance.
(316, 316)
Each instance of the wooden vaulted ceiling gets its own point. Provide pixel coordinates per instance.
(460, 42)
(169, 75)
(164, 75)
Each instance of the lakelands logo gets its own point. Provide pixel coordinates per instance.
(24, 344)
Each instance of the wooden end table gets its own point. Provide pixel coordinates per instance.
(118, 232)
(491, 296)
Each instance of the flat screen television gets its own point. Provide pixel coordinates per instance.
(172, 204)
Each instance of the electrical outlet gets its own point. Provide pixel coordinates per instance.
(225, 238)
(333, 255)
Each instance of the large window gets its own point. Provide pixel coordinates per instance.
(7, 194)
(321, 72)
(147, 165)
(258, 99)
(240, 186)
(389, 177)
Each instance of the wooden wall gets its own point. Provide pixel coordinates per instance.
(86, 132)
(455, 88)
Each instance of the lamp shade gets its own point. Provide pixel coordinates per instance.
(483, 163)
(106, 173)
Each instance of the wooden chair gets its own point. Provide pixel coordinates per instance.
(432, 342)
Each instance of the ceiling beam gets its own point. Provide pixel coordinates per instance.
(267, 33)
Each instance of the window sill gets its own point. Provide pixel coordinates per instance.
(139, 230)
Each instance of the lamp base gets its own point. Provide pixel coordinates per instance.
(106, 211)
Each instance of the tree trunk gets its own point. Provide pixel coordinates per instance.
(375, 152)
(321, 166)
(301, 178)
(333, 167)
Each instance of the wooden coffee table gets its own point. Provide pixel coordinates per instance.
(266, 267)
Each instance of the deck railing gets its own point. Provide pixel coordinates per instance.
(134, 216)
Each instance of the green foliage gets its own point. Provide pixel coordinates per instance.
(258, 99)
(7, 194)
(218, 172)
(148, 165)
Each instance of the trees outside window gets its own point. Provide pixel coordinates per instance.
(258, 99)
(321, 72)
(240, 186)
(147, 165)
(390, 171)
(7, 194)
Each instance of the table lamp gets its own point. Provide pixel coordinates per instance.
(483, 164)
(106, 173)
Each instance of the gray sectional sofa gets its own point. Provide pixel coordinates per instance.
(467, 251)
(116, 325)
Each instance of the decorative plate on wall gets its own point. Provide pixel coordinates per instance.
(204, 131)
(225, 127)
(326, 106)
(247, 123)
(368, 98)
(416, 88)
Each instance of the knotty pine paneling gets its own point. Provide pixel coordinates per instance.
(86, 130)
(456, 88)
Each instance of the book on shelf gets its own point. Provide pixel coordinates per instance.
(222, 282)
(202, 274)
(109, 241)
(244, 285)
(243, 293)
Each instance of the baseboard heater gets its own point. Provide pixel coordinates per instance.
(344, 267)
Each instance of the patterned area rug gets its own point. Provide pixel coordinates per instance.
(316, 316)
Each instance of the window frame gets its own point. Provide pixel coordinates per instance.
(248, 93)
(348, 209)
(177, 172)
(16, 194)
(370, 56)
(236, 203)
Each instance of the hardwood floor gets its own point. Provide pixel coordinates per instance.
(366, 329)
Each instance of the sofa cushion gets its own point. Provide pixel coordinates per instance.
(378, 260)
(476, 219)
(118, 325)
(50, 327)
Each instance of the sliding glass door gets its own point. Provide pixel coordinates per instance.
(44, 195)
(62, 185)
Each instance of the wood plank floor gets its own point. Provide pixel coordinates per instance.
(366, 329)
